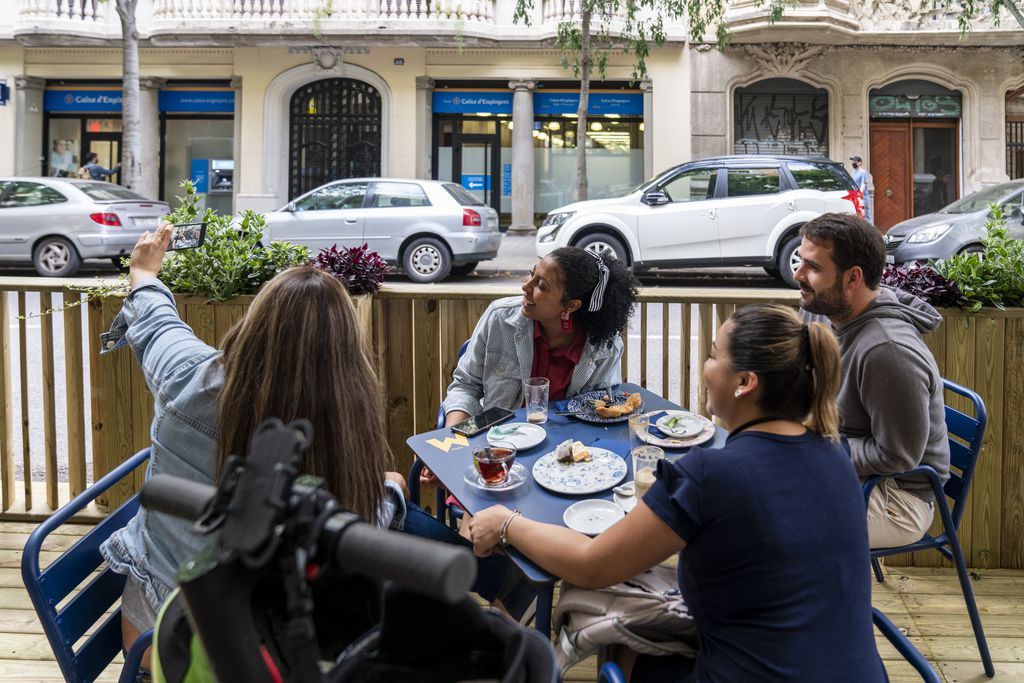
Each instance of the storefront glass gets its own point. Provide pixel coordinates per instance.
(201, 150)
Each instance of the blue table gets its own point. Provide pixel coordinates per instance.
(448, 455)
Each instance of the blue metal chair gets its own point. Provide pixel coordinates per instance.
(611, 673)
(48, 588)
(964, 450)
(441, 495)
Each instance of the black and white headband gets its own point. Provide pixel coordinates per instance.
(597, 297)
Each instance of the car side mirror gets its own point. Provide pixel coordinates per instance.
(655, 198)
(290, 207)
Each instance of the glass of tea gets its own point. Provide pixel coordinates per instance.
(536, 391)
(494, 462)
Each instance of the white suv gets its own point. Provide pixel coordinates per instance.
(722, 211)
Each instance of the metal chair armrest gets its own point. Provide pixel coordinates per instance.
(933, 477)
(904, 646)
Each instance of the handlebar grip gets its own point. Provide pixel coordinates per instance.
(177, 497)
(439, 570)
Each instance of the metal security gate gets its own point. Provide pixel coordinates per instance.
(334, 133)
(1015, 147)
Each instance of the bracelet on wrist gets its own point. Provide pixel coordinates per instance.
(503, 534)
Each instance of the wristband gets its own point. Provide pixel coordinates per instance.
(502, 535)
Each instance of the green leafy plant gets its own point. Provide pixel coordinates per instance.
(994, 277)
(232, 260)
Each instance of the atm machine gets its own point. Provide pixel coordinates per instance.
(213, 172)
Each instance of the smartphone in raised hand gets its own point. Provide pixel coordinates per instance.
(187, 236)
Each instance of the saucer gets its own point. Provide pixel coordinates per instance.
(593, 516)
(516, 476)
(524, 435)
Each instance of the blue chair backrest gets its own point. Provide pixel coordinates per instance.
(65, 624)
(965, 448)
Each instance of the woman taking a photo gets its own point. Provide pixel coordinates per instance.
(770, 529)
(298, 353)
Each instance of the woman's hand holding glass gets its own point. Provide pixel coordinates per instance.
(148, 254)
(485, 529)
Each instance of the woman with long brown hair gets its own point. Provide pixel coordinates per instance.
(770, 529)
(299, 352)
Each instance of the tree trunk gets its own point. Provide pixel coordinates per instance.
(131, 140)
(1011, 5)
(581, 113)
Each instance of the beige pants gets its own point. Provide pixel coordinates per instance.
(896, 517)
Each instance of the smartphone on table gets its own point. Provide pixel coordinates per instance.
(187, 236)
(482, 421)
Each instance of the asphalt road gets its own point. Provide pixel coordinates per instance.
(508, 270)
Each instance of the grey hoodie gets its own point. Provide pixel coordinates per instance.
(891, 406)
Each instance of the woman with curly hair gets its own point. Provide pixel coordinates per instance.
(565, 327)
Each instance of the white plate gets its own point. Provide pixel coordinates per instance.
(688, 425)
(516, 476)
(605, 470)
(591, 517)
(528, 435)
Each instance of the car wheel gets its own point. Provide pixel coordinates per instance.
(972, 249)
(604, 244)
(56, 257)
(789, 261)
(427, 260)
(465, 268)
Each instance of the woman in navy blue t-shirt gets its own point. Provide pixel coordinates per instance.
(770, 529)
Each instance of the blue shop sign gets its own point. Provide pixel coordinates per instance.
(476, 181)
(599, 103)
(201, 174)
(82, 100)
(198, 101)
(454, 102)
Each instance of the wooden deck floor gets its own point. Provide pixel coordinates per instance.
(925, 602)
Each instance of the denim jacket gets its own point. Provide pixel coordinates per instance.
(499, 359)
(183, 373)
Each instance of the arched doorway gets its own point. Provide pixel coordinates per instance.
(915, 149)
(780, 116)
(334, 129)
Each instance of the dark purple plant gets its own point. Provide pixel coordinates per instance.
(926, 283)
(359, 269)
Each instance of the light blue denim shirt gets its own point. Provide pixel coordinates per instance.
(183, 373)
(499, 359)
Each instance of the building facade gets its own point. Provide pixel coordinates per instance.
(258, 102)
(261, 102)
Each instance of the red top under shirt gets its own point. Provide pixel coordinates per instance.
(556, 364)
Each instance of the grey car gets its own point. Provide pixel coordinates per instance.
(429, 228)
(957, 228)
(55, 223)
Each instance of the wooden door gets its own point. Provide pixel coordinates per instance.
(890, 168)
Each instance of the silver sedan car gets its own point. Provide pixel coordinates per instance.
(957, 228)
(430, 228)
(54, 223)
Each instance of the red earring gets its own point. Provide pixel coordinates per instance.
(566, 322)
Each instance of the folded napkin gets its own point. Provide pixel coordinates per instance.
(654, 417)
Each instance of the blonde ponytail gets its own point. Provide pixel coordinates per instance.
(825, 363)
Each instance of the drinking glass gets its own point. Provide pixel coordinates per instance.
(536, 391)
(638, 425)
(645, 462)
(494, 462)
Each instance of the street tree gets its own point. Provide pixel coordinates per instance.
(595, 29)
(131, 138)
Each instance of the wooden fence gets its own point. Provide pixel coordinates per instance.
(417, 331)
